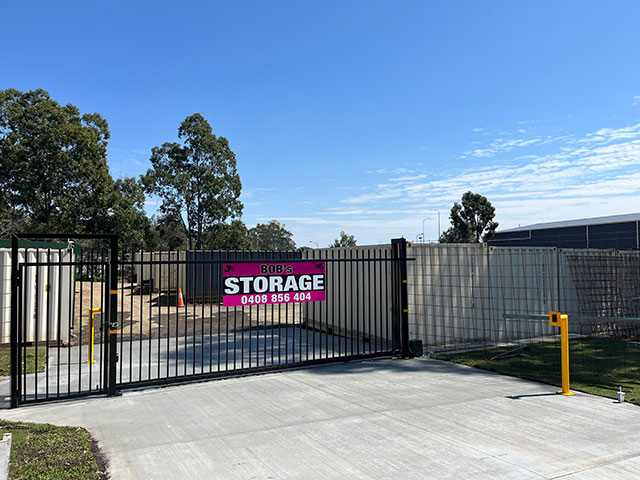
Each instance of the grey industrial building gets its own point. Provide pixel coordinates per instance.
(621, 232)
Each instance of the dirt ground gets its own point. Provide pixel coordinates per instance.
(151, 315)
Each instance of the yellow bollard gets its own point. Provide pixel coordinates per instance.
(556, 319)
(91, 313)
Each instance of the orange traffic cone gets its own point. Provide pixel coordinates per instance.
(180, 299)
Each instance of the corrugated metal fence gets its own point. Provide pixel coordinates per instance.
(48, 297)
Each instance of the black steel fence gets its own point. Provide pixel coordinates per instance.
(89, 321)
(168, 336)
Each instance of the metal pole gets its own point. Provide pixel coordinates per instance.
(399, 251)
(428, 218)
(564, 333)
(113, 314)
(404, 301)
(556, 319)
(14, 321)
(92, 312)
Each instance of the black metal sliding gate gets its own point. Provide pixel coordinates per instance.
(160, 318)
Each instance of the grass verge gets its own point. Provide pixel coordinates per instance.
(43, 451)
(5, 360)
(597, 365)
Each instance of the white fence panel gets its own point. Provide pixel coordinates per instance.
(49, 317)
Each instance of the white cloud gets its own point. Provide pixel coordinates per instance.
(408, 178)
(546, 177)
(612, 134)
(636, 100)
(386, 171)
(594, 175)
(361, 212)
(500, 145)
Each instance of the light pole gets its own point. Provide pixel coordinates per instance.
(317, 246)
(428, 218)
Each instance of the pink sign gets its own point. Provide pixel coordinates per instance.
(264, 283)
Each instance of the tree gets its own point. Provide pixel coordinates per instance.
(472, 221)
(196, 180)
(11, 221)
(344, 241)
(53, 168)
(128, 218)
(271, 236)
(167, 233)
(228, 236)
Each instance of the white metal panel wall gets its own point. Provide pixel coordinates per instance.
(445, 304)
(168, 274)
(524, 281)
(5, 295)
(49, 315)
(358, 301)
(469, 293)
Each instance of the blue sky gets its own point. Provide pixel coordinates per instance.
(361, 116)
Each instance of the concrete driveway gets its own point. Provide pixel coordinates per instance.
(377, 419)
(67, 371)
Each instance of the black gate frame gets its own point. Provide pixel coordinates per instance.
(111, 357)
(399, 317)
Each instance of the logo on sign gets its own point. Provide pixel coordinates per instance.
(273, 282)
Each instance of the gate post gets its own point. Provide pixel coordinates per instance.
(113, 315)
(14, 321)
(400, 297)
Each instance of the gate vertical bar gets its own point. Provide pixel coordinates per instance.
(113, 314)
(15, 393)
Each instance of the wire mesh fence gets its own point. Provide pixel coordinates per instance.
(489, 306)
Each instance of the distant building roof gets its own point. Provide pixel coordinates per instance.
(629, 217)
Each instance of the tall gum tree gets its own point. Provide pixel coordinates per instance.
(271, 236)
(197, 179)
(471, 220)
